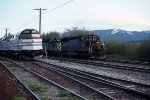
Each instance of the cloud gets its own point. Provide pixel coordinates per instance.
(123, 18)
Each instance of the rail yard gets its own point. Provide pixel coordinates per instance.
(75, 50)
(74, 79)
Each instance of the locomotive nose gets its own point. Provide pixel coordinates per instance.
(96, 46)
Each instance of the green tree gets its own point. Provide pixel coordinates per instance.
(51, 36)
(111, 47)
(122, 50)
(75, 31)
(144, 51)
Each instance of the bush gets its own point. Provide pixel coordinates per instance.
(144, 51)
(37, 87)
(128, 50)
(51, 36)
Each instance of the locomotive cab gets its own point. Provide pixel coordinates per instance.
(95, 46)
(29, 34)
(30, 42)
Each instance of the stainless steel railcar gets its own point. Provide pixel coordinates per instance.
(28, 42)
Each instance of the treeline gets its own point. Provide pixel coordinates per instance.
(128, 50)
(74, 31)
(51, 36)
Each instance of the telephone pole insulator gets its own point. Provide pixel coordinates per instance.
(40, 10)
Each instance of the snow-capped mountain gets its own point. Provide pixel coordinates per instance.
(122, 35)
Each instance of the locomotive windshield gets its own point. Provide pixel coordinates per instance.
(29, 34)
(92, 38)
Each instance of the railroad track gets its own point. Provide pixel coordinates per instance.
(103, 63)
(31, 95)
(104, 86)
(110, 70)
(126, 61)
(106, 60)
(18, 66)
(86, 91)
(88, 85)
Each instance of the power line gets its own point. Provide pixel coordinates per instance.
(45, 13)
(58, 6)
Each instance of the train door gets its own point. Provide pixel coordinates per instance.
(18, 43)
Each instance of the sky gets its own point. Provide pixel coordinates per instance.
(130, 15)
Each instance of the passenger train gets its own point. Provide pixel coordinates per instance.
(28, 42)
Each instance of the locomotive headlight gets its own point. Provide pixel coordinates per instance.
(97, 42)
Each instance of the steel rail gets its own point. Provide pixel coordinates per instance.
(95, 78)
(97, 75)
(79, 82)
(29, 90)
(140, 69)
(103, 64)
(45, 79)
(126, 61)
(108, 60)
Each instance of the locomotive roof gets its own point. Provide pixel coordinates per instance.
(29, 31)
(75, 37)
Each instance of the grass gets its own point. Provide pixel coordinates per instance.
(115, 56)
(64, 93)
(75, 98)
(19, 98)
(43, 97)
(37, 88)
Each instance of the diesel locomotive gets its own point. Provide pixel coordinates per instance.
(28, 42)
(83, 45)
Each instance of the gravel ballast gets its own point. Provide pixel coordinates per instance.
(143, 78)
(10, 88)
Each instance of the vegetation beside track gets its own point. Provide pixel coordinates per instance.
(128, 50)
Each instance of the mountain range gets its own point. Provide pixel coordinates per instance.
(122, 35)
(119, 35)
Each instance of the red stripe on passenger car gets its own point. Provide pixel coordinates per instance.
(27, 42)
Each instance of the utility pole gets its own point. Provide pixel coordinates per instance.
(6, 32)
(40, 10)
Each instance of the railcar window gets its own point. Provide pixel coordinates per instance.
(29, 36)
(25, 36)
(96, 38)
(34, 32)
(35, 35)
(92, 37)
(26, 32)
